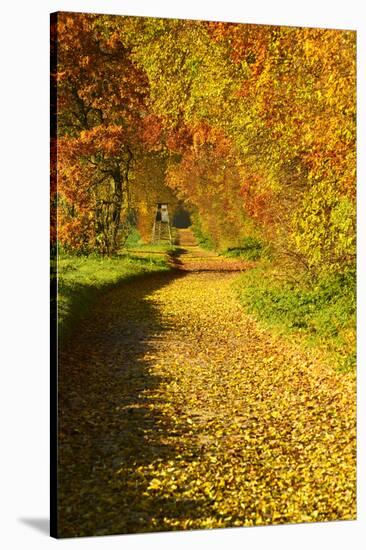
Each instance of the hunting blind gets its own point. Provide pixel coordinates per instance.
(161, 228)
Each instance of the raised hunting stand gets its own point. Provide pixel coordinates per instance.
(161, 228)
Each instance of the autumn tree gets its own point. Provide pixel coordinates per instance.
(100, 102)
(253, 126)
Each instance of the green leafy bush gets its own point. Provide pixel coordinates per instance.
(133, 239)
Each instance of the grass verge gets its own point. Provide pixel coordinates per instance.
(81, 278)
(322, 315)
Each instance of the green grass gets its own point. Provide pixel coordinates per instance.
(322, 314)
(82, 278)
(203, 239)
(249, 249)
(134, 242)
(148, 247)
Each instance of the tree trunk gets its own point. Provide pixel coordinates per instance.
(117, 207)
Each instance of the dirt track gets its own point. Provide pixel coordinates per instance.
(177, 411)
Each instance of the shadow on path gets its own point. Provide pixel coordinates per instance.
(108, 427)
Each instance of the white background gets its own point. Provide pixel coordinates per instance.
(24, 348)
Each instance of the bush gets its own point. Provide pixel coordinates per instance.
(133, 239)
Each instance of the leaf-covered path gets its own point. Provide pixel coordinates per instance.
(177, 411)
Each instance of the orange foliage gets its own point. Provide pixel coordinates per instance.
(246, 123)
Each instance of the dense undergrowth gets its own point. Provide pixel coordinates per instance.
(323, 313)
